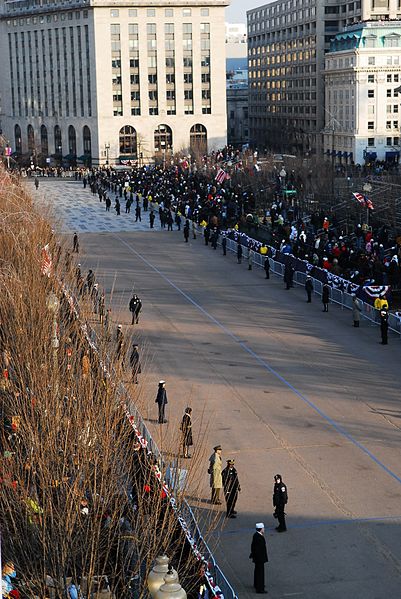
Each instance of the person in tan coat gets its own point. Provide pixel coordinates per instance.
(216, 480)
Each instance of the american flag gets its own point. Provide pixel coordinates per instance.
(222, 176)
(46, 267)
(369, 204)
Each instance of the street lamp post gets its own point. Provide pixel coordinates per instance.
(107, 148)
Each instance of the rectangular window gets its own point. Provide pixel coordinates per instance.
(396, 141)
(395, 108)
(132, 12)
(371, 125)
(371, 78)
(388, 93)
(169, 12)
(186, 12)
(371, 141)
(151, 12)
(388, 78)
(204, 12)
(114, 13)
(395, 124)
(371, 93)
(371, 60)
(388, 141)
(388, 124)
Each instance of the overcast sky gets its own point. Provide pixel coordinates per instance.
(236, 13)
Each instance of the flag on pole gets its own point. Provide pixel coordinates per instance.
(47, 262)
(369, 204)
(222, 176)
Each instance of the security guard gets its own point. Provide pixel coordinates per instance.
(280, 498)
(384, 326)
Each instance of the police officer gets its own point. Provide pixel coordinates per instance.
(280, 498)
(384, 326)
(231, 488)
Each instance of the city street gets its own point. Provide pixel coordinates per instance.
(283, 387)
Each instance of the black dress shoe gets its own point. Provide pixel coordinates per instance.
(232, 516)
(261, 592)
(234, 512)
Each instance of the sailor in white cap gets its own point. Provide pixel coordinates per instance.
(259, 557)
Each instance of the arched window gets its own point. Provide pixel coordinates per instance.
(31, 139)
(18, 139)
(163, 138)
(198, 139)
(128, 141)
(58, 142)
(44, 142)
(72, 141)
(86, 133)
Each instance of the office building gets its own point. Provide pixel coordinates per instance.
(113, 81)
(362, 74)
(287, 42)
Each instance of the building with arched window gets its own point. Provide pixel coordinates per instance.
(117, 83)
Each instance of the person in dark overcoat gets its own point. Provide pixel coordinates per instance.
(267, 268)
(231, 488)
(161, 400)
(259, 557)
(326, 297)
(186, 430)
(280, 499)
(384, 326)
(309, 288)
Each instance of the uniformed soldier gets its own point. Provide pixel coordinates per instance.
(280, 498)
(384, 326)
(231, 488)
(259, 557)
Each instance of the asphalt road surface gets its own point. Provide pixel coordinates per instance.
(285, 388)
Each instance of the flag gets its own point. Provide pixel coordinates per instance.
(359, 198)
(222, 176)
(369, 204)
(46, 267)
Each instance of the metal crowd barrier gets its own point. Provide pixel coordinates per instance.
(342, 298)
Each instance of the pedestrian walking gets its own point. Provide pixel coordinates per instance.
(135, 306)
(178, 221)
(309, 288)
(267, 268)
(75, 243)
(231, 488)
(326, 297)
(280, 499)
(117, 207)
(239, 253)
(135, 363)
(186, 431)
(186, 231)
(259, 557)
(224, 245)
(356, 310)
(251, 255)
(214, 238)
(151, 219)
(170, 221)
(161, 400)
(193, 229)
(108, 204)
(384, 326)
(138, 214)
(36, 182)
(216, 481)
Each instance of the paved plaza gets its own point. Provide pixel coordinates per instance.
(77, 209)
(284, 388)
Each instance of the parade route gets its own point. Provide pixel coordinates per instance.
(283, 388)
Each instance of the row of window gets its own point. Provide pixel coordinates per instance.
(41, 63)
(390, 141)
(151, 12)
(41, 145)
(68, 16)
